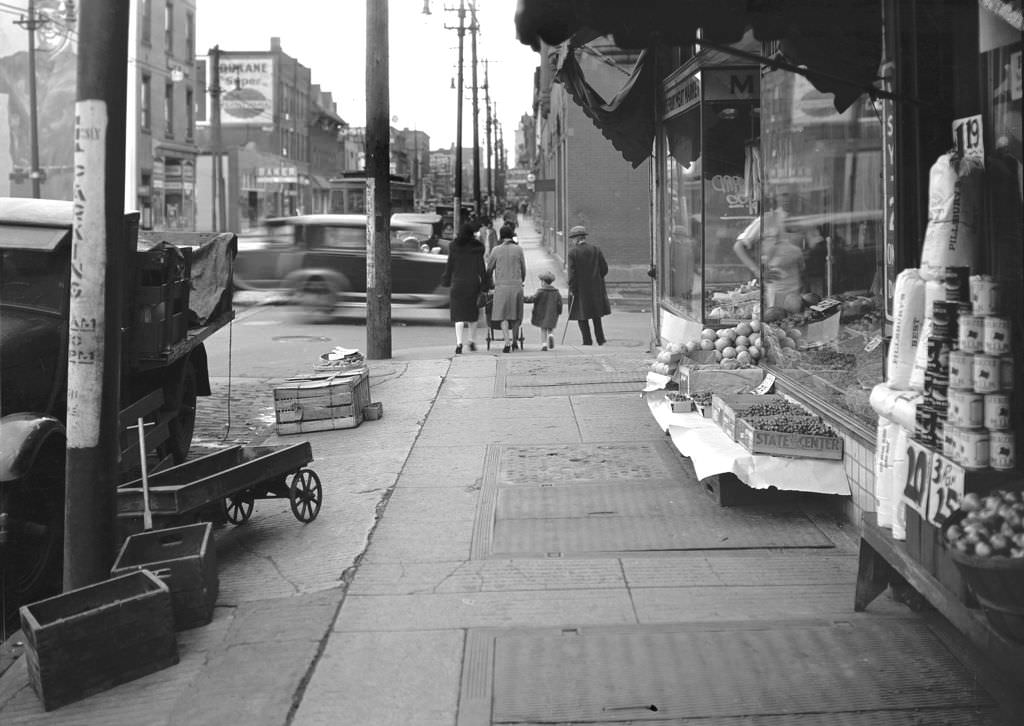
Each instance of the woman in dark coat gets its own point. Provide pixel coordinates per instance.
(466, 276)
(588, 298)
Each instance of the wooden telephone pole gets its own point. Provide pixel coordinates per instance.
(457, 196)
(490, 163)
(99, 250)
(378, 183)
(474, 28)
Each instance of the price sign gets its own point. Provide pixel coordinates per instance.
(945, 489)
(765, 385)
(934, 484)
(968, 139)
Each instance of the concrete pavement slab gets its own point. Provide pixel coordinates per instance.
(486, 576)
(434, 504)
(444, 464)
(751, 568)
(728, 603)
(485, 609)
(251, 683)
(282, 619)
(480, 364)
(385, 679)
(397, 540)
(615, 418)
(468, 388)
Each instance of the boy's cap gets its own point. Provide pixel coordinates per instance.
(578, 231)
(547, 276)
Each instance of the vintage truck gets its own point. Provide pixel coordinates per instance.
(178, 291)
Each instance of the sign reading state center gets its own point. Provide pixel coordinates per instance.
(247, 84)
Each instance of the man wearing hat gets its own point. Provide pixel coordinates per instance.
(588, 298)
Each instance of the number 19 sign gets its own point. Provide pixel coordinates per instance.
(935, 484)
(968, 137)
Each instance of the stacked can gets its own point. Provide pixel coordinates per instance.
(930, 428)
(978, 431)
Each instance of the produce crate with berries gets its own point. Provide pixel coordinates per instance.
(986, 542)
(727, 408)
(789, 435)
(699, 402)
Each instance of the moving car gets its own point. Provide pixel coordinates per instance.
(321, 260)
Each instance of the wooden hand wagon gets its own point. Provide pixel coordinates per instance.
(226, 482)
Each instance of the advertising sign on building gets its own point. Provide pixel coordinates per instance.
(247, 89)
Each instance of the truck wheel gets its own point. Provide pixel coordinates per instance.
(35, 551)
(181, 399)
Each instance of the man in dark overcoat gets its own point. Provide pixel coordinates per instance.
(588, 299)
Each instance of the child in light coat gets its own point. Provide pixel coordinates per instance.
(547, 306)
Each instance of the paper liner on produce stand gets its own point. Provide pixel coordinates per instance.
(656, 381)
(712, 452)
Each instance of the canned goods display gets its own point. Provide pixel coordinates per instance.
(996, 335)
(966, 409)
(972, 447)
(948, 441)
(926, 423)
(997, 411)
(957, 284)
(1006, 373)
(1002, 450)
(984, 295)
(986, 374)
(938, 358)
(970, 333)
(961, 369)
(942, 319)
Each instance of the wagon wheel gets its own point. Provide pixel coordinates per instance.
(306, 495)
(238, 506)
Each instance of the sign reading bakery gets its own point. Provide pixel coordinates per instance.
(247, 89)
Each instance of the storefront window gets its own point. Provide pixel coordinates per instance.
(819, 240)
(710, 195)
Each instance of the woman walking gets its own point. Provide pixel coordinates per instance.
(466, 276)
(507, 266)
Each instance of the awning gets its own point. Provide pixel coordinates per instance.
(627, 121)
(837, 44)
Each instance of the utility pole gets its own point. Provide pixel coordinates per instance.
(487, 123)
(32, 23)
(100, 244)
(457, 196)
(378, 183)
(474, 28)
(217, 144)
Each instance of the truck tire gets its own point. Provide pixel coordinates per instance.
(34, 554)
(180, 398)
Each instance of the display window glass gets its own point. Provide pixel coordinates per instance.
(818, 242)
(710, 199)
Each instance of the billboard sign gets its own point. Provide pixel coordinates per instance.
(247, 89)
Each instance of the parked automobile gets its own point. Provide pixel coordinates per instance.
(321, 260)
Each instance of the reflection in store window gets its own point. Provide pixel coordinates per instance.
(819, 243)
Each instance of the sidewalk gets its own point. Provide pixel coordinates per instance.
(543, 554)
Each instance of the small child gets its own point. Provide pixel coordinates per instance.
(547, 306)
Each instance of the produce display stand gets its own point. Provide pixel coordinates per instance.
(881, 557)
(729, 472)
(231, 479)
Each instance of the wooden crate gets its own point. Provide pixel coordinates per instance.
(727, 408)
(185, 559)
(925, 546)
(775, 443)
(91, 639)
(158, 315)
(321, 403)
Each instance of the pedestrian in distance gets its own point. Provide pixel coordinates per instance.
(467, 279)
(588, 298)
(547, 306)
(507, 268)
(488, 235)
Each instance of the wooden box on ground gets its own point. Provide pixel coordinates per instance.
(926, 547)
(728, 490)
(320, 403)
(185, 559)
(96, 637)
(777, 443)
(727, 408)
(697, 378)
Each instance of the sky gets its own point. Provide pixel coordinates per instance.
(329, 38)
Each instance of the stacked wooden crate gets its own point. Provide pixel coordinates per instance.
(322, 402)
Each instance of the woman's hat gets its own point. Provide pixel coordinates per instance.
(578, 231)
(547, 276)
(506, 233)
